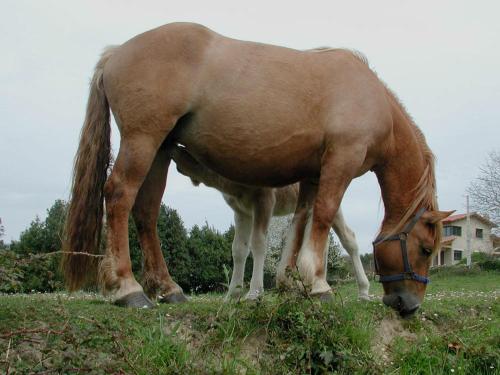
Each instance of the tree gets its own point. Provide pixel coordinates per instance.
(367, 262)
(210, 252)
(173, 240)
(32, 239)
(43, 236)
(54, 224)
(485, 190)
(37, 273)
(336, 264)
(2, 233)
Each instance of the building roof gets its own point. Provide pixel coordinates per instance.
(447, 239)
(458, 217)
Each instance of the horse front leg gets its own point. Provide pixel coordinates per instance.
(295, 235)
(348, 240)
(339, 166)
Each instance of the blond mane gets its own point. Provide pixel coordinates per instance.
(425, 190)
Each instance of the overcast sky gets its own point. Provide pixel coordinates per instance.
(442, 58)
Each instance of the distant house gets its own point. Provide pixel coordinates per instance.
(454, 241)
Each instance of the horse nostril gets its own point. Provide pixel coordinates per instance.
(392, 300)
(405, 304)
(408, 312)
(409, 304)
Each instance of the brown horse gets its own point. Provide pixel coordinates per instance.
(259, 115)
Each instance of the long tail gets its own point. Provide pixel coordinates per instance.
(83, 225)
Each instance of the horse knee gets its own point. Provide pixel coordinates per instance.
(240, 253)
(117, 196)
(144, 221)
(259, 246)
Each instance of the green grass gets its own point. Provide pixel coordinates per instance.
(457, 331)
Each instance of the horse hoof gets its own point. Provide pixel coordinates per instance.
(231, 297)
(365, 297)
(325, 297)
(137, 300)
(234, 294)
(254, 295)
(177, 297)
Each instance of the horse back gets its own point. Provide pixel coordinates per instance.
(257, 114)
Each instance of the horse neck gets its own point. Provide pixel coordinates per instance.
(400, 174)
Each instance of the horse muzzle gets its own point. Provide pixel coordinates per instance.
(406, 304)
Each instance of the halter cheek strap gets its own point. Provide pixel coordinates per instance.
(402, 237)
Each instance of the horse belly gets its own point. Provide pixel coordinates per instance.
(259, 154)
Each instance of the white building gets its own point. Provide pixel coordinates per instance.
(454, 241)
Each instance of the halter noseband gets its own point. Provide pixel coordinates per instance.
(408, 273)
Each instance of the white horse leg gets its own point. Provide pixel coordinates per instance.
(348, 240)
(242, 230)
(263, 210)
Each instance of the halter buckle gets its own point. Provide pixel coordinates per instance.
(403, 236)
(408, 275)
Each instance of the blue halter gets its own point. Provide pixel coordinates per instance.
(408, 273)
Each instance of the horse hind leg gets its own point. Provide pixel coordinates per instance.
(240, 250)
(135, 157)
(262, 213)
(156, 277)
(348, 240)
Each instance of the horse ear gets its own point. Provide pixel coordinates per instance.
(433, 217)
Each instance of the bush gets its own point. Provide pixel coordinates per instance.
(29, 273)
(456, 270)
(489, 264)
(484, 261)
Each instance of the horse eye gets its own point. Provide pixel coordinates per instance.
(427, 251)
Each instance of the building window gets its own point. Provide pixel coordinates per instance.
(479, 233)
(457, 254)
(452, 230)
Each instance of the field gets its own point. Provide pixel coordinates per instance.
(457, 331)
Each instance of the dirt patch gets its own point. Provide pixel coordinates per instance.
(184, 332)
(389, 329)
(253, 346)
